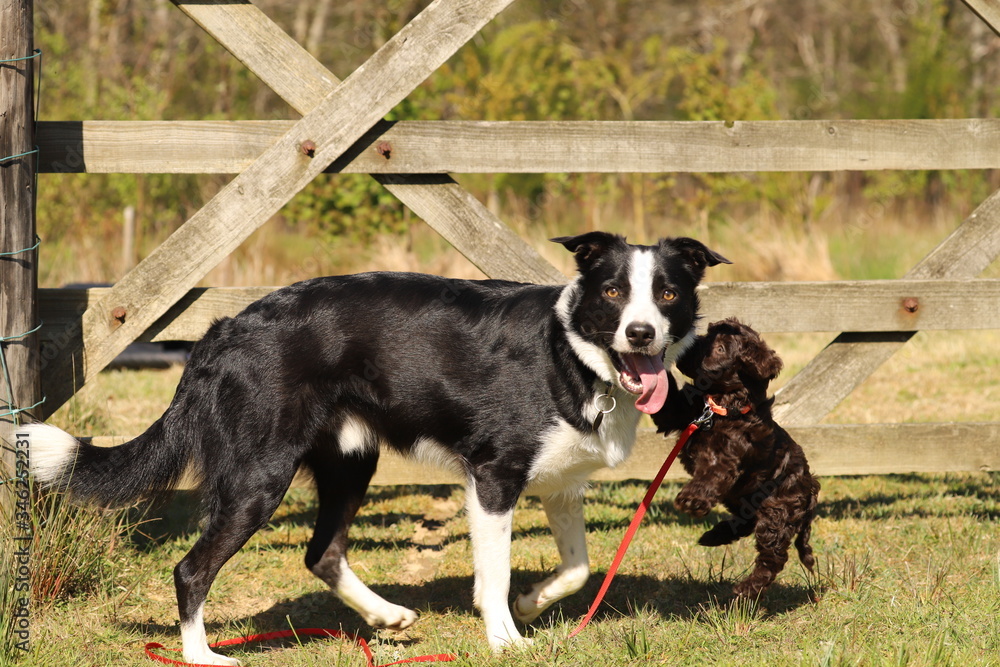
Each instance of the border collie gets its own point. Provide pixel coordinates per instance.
(521, 388)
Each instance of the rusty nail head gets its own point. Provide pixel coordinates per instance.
(384, 149)
(911, 304)
(118, 314)
(308, 147)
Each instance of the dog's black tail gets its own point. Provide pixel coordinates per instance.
(107, 476)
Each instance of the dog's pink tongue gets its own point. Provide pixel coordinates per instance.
(653, 376)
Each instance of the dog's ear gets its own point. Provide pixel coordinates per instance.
(696, 255)
(759, 360)
(589, 247)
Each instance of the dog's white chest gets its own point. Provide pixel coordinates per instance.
(567, 457)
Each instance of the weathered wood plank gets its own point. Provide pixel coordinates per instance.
(860, 306)
(248, 201)
(439, 201)
(988, 11)
(425, 147)
(859, 449)
(838, 449)
(108, 147)
(844, 364)
(857, 306)
(469, 226)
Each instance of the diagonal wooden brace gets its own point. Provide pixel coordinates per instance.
(988, 11)
(270, 53)
(249, 200)
(853, 357)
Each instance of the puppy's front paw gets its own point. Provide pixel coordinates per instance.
(750, 589)
(694, 500)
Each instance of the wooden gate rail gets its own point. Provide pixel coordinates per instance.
(468, 147)
(893, 307)
(835, 449)
(770, 307)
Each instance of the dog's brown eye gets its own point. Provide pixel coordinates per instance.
(612, 292)
(668, 295)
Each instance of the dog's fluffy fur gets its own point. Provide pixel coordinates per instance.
(745, 460)
(501, 381)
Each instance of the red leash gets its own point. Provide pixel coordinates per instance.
(636, 520)
(633, 527)
(283, 634)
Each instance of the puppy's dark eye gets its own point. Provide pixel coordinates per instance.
(668, 295)
(612, 292)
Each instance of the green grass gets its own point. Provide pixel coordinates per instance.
(907, 574)
(76, 553)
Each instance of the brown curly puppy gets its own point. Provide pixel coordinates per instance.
(744, 460)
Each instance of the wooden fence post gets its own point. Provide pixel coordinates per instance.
(19, 375)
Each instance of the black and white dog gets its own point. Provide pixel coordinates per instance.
(502, 381)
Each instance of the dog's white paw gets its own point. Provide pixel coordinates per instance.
(208, 657)
(567, 580)
(391, 617)
(502, 633)
(508, 640)
(526, 608)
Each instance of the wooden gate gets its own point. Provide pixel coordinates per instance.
(342, 130)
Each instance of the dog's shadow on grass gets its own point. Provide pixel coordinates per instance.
(675, 598)
(919, 495)
(672, 598)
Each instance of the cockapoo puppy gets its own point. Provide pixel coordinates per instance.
(743, 460)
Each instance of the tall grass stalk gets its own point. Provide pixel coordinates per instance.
(74, 552)
(8, 597)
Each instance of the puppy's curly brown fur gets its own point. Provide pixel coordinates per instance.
(745, 460)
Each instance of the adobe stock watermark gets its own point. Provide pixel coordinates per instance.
(20, 623)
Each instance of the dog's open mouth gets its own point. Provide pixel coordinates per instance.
(646, 376)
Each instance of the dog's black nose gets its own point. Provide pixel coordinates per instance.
(640, 334)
